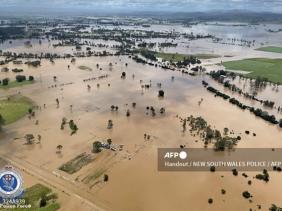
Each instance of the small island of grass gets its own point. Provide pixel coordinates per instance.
(14, 107)
(175, 57)
(21, 80)
(14, 84)
(273, 49)
(39, 197)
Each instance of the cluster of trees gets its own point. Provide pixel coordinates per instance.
(5, 81)
(29, 138)
(138, 59)
(151, 55)
(208, 134)
(19, 79)
(148, 55)
(264, 115)
(218, 93)
(218, 76)
(15, 70)
(237, 103)
(98, 145)
(192, 36)
(114, 108)
(261, 81)
(72, 125)
(197, 68)
(109, 34)
(146, 45)
(268, 103)
(153, 110)
(264, 176)
(258, 112)
(188, 61)
(34, 63)
(167, 44)
(46, 198)
(275, 208)
(11, 56)
(225, 142)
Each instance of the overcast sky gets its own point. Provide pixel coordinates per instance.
(142, 5)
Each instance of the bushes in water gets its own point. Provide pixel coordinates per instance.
(73, 127)
(274, 208)
(97, 145)
(30, 78)
(5, 81)
(205, 84)
(139, 60)
(161, 93)
(149, 55)
(237, 103)
(16, 70)
(20, 78)
(258, 112)
(220, 77)
(264, 115)
(264, 176)
(246, 194)
(218, 93)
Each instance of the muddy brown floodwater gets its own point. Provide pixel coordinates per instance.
(134, 181)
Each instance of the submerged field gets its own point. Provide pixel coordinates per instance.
(273, 49)
(175, 57)
(135, 166)
(258, 67)
(93, 91)
(14, 108)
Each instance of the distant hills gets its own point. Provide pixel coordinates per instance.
(214, 15)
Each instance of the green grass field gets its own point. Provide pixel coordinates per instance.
(15, 108)
(175, 57)
(273, 49)
(13, 84)
(262, 67)
(33, 195)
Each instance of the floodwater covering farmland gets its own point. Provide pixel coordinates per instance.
(86, 102)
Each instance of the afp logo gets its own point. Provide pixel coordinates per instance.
(182, 155)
